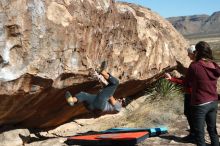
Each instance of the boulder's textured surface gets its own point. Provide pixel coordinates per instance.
(14, 137)
(47, 48)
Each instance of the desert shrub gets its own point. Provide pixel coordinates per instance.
(167, 89)
(161, 105)
(163, 89)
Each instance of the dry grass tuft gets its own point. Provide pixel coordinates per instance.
(161, 105)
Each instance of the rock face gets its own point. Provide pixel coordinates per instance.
(197, 24)
(47, 48)
(14, 137)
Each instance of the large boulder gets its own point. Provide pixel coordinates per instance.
(15, 137)
(47, 48)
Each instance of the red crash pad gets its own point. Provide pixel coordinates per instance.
(129, 138)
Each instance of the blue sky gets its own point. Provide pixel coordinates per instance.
(170, 8)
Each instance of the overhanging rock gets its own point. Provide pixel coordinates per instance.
(47, 48)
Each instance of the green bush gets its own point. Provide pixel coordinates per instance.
(164, 89)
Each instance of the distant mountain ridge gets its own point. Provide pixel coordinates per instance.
(197, 24)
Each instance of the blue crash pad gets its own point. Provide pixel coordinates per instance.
(152, 131)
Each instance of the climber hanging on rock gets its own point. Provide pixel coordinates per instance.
(103, 102)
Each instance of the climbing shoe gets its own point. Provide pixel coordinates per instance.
(69, 98)
(102, 67)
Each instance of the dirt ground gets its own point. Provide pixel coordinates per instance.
(175, 134)
(177, 128)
